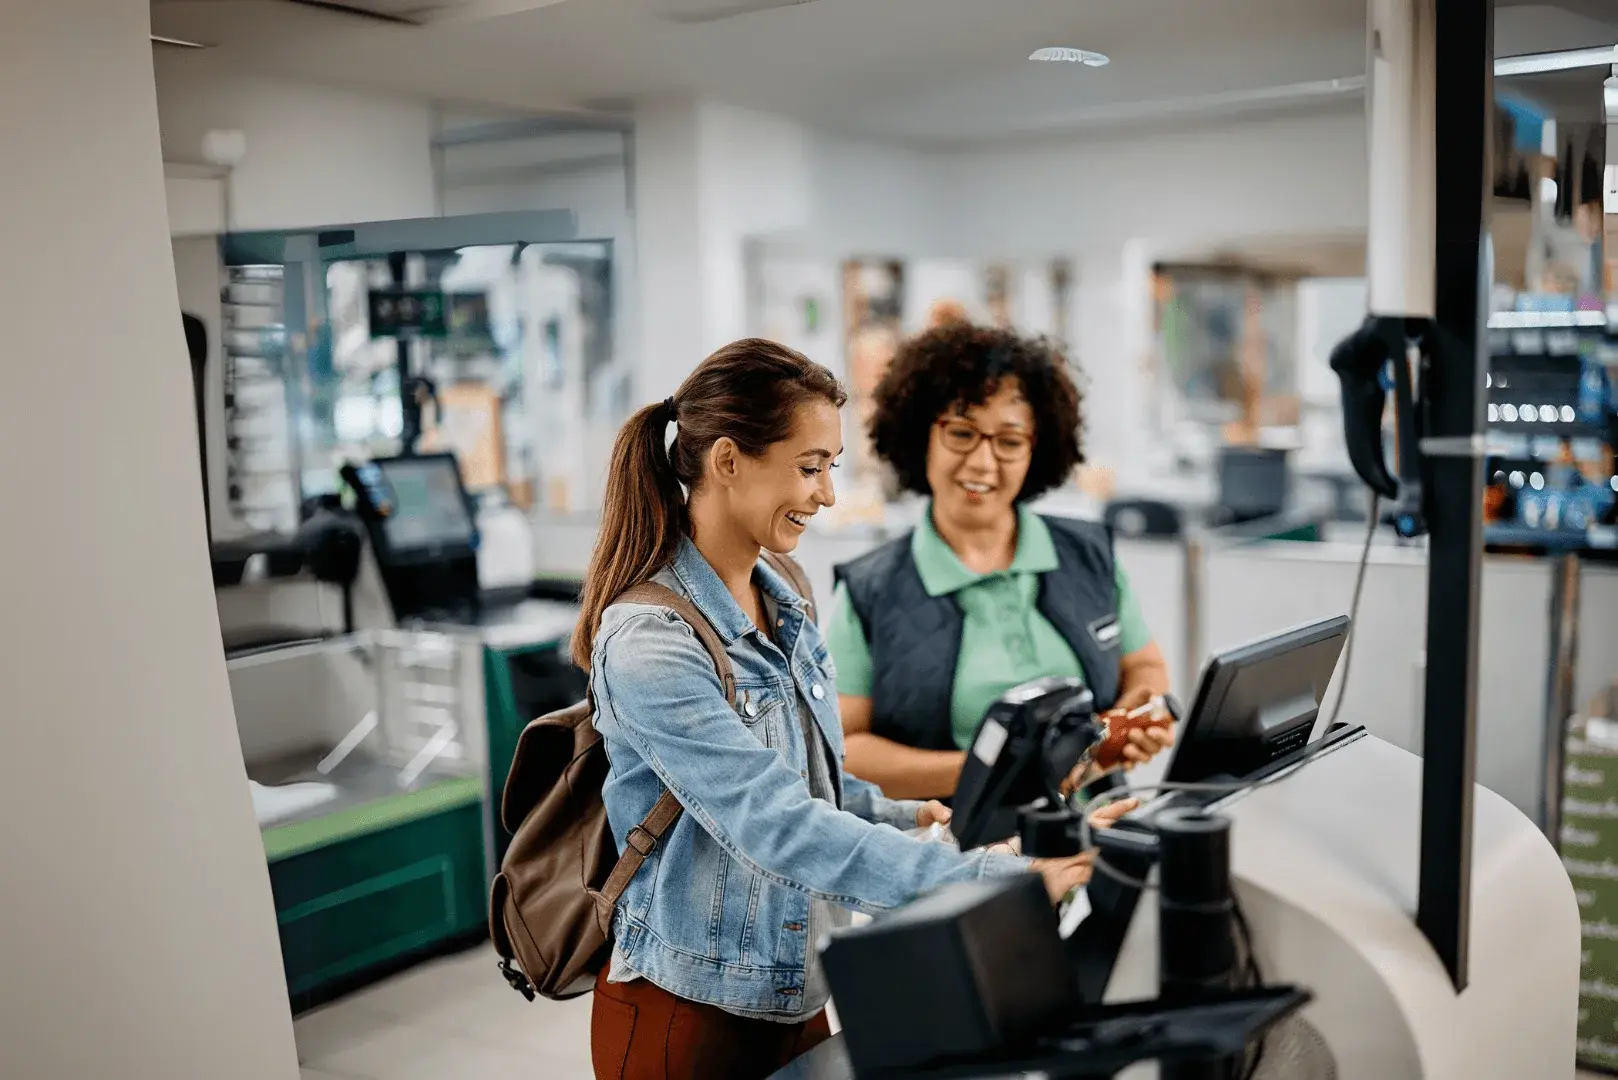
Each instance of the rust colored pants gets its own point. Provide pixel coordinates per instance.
(639, 1031)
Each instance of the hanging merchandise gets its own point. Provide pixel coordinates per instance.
(260, 474)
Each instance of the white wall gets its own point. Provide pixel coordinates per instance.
(754, 180)
(1116, 203)
(711, 181)
(873, 199)
(316, 155)
(196, 200)
(138, 938)
(1111, 203)
(1237, 179)
(586, 173)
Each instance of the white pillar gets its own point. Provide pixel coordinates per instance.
(1112, 342)
(137, 935)
(668, 245)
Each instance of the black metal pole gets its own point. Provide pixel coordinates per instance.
(409, 404)
(1453, 476)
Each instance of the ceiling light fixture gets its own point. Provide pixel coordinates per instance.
(1061, 54)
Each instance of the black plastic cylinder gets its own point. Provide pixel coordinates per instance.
(1197, 943)
(1197, 952)
(1048, 833)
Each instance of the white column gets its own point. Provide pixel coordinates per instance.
(137, 935)
(668, 244)
(1112, 342)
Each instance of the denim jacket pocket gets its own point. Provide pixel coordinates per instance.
(763, 713)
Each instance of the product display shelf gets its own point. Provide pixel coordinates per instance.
(261, 473)
(1588, 837)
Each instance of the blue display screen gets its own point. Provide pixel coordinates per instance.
(426, 508)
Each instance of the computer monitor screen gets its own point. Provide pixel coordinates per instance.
(1253, 481)
(420, 504)
(1258, 702)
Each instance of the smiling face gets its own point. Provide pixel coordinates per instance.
(978, 457)
(774, 495)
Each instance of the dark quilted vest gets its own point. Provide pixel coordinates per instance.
(915, 639)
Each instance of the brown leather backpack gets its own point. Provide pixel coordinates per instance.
(551, 905)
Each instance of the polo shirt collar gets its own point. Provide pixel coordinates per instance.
(942, 571)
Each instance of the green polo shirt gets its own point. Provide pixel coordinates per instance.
(1005, 641)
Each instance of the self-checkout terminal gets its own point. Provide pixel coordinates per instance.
(1306, 900)
(1254, 920)
(422, 525)
(422, 528)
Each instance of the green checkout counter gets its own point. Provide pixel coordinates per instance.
(377, 756)
(376, 761)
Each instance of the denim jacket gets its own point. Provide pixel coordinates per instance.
(719, 912)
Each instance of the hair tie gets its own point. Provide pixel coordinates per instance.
(669, 412)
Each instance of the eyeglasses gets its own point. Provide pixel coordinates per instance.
(961, 437)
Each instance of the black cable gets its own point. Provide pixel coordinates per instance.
(1250, 976)
(1354, 609)
(1107, 798)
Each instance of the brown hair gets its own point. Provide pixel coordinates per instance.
(748, 392)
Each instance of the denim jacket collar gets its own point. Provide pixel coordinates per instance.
(701, 583)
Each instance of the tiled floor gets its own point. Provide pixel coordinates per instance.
(453, 1017)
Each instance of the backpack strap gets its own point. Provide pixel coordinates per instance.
(655, 595)
(643, 838)
(639, 844)
(788, 567)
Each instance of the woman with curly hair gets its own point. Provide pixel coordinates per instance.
(984, 595)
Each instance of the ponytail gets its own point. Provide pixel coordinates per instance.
(642, 519)
(748, 392)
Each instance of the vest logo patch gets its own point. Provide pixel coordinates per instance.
(1106, 631)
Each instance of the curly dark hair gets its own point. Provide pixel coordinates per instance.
(958, 366)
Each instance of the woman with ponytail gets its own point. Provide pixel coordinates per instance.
(714, 973)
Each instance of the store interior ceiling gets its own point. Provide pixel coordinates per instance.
(928, 73)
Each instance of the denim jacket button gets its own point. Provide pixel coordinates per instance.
(818, 691)
(750, 709)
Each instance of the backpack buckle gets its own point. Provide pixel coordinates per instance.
(519, 982)
(642, 841)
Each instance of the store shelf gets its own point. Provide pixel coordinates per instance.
(255, 395)
(1595, 538)
(1546, 320)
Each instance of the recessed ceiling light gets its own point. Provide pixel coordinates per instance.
(1071, 56)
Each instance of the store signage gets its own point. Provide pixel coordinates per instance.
(428, 313)
(407, 313)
